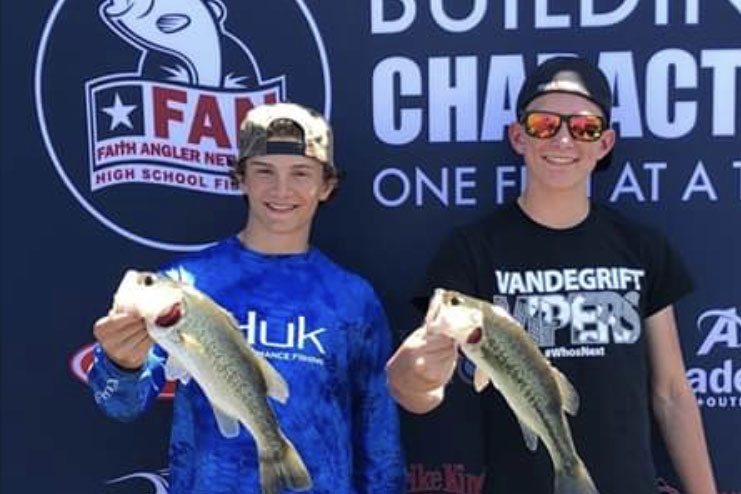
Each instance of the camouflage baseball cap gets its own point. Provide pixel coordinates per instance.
(257, 134)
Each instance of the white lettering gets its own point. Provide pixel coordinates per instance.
(384, 101)
(654, 169)
(724, 64)
(700, 182)
(658, 112)
(619, 69)
(506, 75)
(459, 98)
(458, 25)
(403, 193)
(382, 25)
(627, 183)
(591, 19)
(545, 20)
(462, 185)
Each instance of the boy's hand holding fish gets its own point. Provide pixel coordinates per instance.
(420, 368)
(124, 337)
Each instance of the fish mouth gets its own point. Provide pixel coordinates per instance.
(170, 316)
(475, 336)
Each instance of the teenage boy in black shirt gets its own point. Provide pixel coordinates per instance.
(595, 291)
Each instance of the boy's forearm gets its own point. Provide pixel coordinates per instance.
(681, 427)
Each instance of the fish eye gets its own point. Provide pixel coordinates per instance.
(148, 280)
(455, 301)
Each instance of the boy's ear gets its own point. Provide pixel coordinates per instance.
(517, 137)
(607, 142)
(327, 188)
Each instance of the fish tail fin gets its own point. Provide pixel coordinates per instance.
(285, 468)
(575, 480)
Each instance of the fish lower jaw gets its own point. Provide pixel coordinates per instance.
(170, 316)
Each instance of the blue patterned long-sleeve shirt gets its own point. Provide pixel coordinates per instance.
(324, 330)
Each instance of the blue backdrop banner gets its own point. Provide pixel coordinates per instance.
(115, 156)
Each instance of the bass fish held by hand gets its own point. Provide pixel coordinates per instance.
(506, 356)
(203, 341)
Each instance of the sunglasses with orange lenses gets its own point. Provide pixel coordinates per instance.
(545, 124)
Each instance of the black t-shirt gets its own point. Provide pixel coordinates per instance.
(582, 293)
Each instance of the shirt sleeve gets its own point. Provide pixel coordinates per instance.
(123, 394)
(669, 278)
(378, 460)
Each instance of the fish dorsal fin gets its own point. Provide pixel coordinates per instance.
(480, 380)
(228, 425)
(276, 385)
(531, 438)
(569, 396)
(230, 317)
(175, 370)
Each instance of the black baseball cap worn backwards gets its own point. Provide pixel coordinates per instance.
(571, 75)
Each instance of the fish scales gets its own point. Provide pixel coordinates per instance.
(534, 381)
(208, 329)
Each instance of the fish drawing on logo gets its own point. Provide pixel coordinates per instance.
(183, 41)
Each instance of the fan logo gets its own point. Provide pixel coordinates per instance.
(151, 137)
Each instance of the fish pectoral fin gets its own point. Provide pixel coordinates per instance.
(569, 396)
(175, 370)
(276, 385)
(480, 379)
(531, 438)
(228, 425)
(191, 343)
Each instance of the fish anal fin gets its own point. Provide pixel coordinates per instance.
(480, 379)
(569, 396)
(276, 385)
(175, 370)
(531, 438)
(228, 425)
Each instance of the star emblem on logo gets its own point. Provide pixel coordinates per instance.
(119, 113)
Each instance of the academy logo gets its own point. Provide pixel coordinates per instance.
(717, 383)
(140, 101)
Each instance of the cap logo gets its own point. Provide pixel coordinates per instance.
(565, 81)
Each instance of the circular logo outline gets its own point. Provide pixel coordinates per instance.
(41, 117)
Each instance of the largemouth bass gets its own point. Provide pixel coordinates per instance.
(506, 356)
(203, 341)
